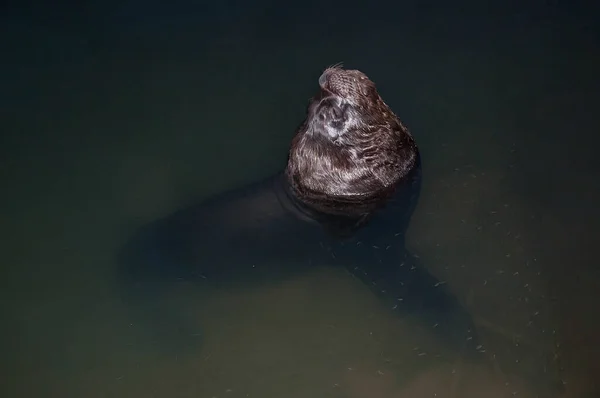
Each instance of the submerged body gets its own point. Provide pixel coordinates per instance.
(345, 199)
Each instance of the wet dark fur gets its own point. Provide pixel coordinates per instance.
(353, 171)
(366, 145)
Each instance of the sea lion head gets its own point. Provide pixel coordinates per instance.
(351, 151)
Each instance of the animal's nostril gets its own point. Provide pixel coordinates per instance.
(338, 124)
(337, 113)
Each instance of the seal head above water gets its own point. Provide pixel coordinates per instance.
(352, 150)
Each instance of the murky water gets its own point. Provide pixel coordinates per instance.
(107, 126)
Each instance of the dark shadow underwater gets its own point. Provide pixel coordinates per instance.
(253, 236)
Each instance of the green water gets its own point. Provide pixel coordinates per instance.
(103, 135)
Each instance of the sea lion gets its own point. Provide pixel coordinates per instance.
(345, 197)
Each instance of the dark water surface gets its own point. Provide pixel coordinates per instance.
(114, 115)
